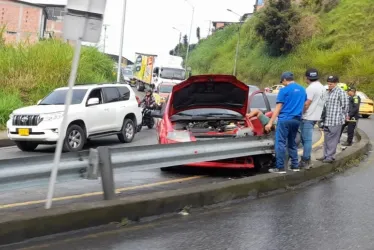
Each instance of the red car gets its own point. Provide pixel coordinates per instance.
(208, 107)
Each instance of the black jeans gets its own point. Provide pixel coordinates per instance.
(351, 130)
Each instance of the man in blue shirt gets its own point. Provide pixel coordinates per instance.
(289, 110)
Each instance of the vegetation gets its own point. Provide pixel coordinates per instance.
(29, 72)
(333, 36)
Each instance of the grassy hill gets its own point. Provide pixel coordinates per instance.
(342, 43)
(29, 72)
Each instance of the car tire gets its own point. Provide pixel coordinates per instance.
(365, 116)
(26, 146)
(128, 131)
(75, 139)
(152, 124)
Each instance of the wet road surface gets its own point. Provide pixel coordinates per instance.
(333, 214)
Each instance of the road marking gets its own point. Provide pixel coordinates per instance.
(27, 203)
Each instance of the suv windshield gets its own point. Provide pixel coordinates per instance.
(166, 88)
(127, 72)
(169, 73)
(58, 97)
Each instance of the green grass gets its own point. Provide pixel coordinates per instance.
(29, 72)
(344, 46)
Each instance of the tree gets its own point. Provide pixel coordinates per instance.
(185, 40)
(198, 33)
(274, 26)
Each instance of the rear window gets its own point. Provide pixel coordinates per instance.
(111, 95)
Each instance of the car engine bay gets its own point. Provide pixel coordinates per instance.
(216, 126)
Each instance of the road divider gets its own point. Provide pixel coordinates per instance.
(19, 226)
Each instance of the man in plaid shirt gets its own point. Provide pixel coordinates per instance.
(335, 115)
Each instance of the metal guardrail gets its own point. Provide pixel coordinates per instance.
(103, 160)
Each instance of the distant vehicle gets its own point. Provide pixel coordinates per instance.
(275, 89)
(162, 92)
(97, 110)
(128, 76)
(152, 70)
(366, 105)
(209, 107)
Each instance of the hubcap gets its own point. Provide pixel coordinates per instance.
(75, 139)
(129, 130)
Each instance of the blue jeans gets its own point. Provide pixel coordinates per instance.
(285, 136)
(306, 128)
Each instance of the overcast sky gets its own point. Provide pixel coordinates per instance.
(149, 23)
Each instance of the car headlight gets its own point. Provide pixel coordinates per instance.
(52, 116)
(179, 136)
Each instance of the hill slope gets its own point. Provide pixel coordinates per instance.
(344, 45)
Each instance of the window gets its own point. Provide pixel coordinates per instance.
(165, 88)
(55, 13)
(258, 102)
(124, 93)
(111, 95)
(58, 97)
(96, 93)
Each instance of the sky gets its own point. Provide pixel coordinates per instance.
(149, 23)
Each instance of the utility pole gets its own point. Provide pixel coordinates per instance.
(238, 43)
(189, 38)
(105, 28)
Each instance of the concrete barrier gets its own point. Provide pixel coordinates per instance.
(19, 226)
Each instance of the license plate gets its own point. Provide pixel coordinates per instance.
(24, 132)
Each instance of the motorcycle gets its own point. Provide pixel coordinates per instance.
(147, 119)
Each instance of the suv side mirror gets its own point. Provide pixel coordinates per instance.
(156, 114)
(93, 101)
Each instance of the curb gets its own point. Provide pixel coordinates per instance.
(18, 226)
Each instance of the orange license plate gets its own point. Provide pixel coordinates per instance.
(24, 132)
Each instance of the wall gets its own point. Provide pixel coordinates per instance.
(22, 22)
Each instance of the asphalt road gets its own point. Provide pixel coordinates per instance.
(333, 214)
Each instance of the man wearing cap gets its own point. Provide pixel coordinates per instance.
(316, 98)
(289, 110)
(336, 111)
(353, 115)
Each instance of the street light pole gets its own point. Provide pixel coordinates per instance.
(238, 43)
(121, 42)
(105, 27)
(189, 39)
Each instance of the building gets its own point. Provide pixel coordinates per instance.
(26, 21)
(259, 4)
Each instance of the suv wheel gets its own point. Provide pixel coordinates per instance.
(75, 139)
(127, 132)
(26, 145)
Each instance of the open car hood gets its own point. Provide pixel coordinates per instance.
(210, 91)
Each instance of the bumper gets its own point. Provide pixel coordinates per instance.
(48, 132)
(237, 163)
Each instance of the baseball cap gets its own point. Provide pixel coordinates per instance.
(286, 75)
(352, 89)
(333, 79)
(312, 74)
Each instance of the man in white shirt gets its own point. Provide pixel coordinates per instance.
(316, 98)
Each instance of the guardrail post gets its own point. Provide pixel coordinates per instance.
(106, 170)
(93, 165)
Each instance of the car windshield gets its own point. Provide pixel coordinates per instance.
(166, 88)
(362, 95)
(169, 73)
(127, 72)
(58, 97)
(209, 112)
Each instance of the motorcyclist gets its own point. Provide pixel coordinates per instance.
(148, 100)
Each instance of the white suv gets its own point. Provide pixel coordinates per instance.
(96, 111)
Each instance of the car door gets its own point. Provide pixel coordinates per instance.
(111, 102)
(258, 100)
(97, 114)
(126, 105)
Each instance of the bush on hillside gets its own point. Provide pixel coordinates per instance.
(30, 72)
(274, 26)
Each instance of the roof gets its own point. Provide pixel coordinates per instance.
(43, 3)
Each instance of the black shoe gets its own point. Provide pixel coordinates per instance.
(347, 144)
(277, 170)
(295, 169)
